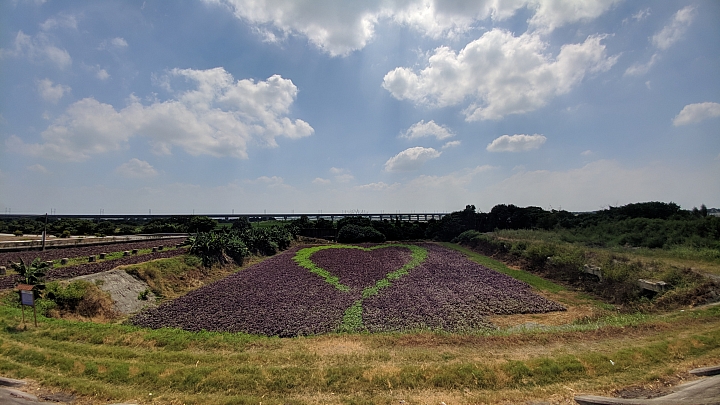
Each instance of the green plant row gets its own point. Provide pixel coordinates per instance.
(234, 244)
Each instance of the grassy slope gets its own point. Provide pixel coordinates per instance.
(111, 362)
(701, 259)
(535, 281)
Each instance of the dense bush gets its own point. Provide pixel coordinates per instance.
(358, 234)
(565, 262)
(234, 244)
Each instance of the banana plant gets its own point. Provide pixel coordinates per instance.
(33, 273)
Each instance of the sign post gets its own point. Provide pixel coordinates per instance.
(27, 297)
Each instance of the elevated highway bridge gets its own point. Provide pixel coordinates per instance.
(411, 216)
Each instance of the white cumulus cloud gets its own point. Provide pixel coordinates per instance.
(424, 129)
(694, 113)
(499, 74)
(136, 168)
(551, 14)
(674, 31)
(50, 92)
(220, 116)
(410, 159)
(336, 27)
(516, 143)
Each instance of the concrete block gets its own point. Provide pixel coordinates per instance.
(594, 270)
(653, 285)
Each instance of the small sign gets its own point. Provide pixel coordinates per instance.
(27, 298)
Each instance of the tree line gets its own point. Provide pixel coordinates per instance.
(646, 224)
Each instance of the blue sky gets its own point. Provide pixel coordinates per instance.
(336, 105)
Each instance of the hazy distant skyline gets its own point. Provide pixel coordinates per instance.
(337, 105)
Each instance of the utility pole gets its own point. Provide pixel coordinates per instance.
(44, 232)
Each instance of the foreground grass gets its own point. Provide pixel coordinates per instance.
(110, 362)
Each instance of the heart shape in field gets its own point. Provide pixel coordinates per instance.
(358, 268)
(350, 267)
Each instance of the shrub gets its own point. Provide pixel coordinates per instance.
(66, 297)
(467, 238)
(538, 253)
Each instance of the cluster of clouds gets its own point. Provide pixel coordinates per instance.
(339, 27)
(495, 75)
(339, 175)
(38, 48)
(218, 116)
(499, 74)
(41, 47)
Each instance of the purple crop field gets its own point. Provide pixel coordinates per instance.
(275, 297)
(375, 288)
